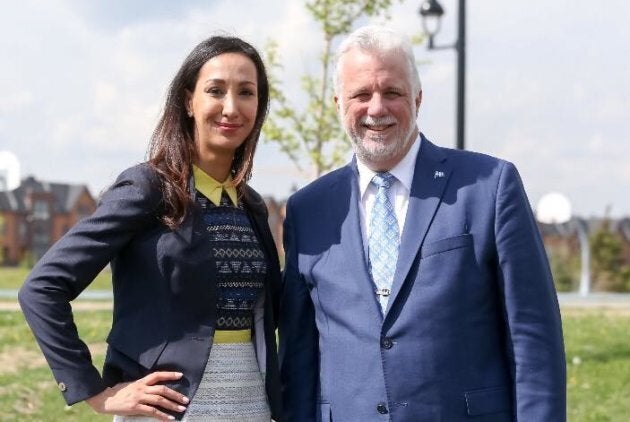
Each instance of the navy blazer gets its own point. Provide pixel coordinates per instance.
(164, 297)
(472, 329)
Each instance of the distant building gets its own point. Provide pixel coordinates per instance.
(276, 210)
(36, 214)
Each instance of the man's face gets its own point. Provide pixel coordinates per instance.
(377, 106)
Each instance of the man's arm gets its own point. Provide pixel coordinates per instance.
(531, 306)
(299, 339)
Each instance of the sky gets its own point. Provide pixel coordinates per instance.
(82, 84)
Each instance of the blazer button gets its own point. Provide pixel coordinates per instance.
(382, 409)
(386, 343)
(62, 386)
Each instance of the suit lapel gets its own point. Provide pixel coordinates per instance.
(186, 230)
(430, 177)
(351, 231)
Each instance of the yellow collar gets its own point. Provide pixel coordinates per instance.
(212, 189)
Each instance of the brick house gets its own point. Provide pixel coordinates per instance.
(36, 214)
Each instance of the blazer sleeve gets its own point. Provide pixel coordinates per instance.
(531, 306)
(299, 338)
(72, 263)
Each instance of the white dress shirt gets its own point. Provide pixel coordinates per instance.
(398, 193)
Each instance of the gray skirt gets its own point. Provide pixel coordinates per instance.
(231, 389)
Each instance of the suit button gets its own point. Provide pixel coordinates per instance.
(382, 409)
(62, 386)
(386, 343)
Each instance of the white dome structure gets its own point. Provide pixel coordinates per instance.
(9, 171)
(553, 208)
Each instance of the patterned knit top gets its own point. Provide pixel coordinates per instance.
(239, 260)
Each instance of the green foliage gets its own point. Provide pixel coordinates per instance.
(563, 276)
(27, 260)
(315, 131)
(610, 272)
(565, 267)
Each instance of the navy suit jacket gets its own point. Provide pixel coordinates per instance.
(164, 296)
(472, 330)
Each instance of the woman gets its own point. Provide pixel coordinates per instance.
(194, 267)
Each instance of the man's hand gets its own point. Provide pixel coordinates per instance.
(141, 397)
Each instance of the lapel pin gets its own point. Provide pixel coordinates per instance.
(438, 174)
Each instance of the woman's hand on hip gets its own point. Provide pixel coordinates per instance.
(141, 397)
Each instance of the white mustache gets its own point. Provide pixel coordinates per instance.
(378, 121)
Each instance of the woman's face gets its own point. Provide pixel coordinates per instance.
(223, 104)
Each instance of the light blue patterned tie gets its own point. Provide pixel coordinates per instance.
(384, 240)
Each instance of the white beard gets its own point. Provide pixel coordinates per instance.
(376, 149)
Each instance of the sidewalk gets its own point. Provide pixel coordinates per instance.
(101, 300)
(88, 301)
(618, 303)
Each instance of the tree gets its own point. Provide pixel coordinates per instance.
(315, 131)
(610, 273)
(565, 265)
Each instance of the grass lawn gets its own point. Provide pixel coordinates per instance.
(13, 277)
(597, 344)
(27, 389)
(598, 366)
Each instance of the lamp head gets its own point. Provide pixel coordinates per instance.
(431, 12)
(431, 8)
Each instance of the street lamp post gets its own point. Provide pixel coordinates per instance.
(431, 12)
(581, 226)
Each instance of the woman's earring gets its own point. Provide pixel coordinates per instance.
(190, 113)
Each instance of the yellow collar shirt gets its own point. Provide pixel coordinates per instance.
(212, 189)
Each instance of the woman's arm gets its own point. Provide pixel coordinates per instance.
(129, 206)
(142, 397)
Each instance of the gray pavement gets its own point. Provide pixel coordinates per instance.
(101, 299)
(604, 301)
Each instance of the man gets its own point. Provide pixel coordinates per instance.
(416, 285)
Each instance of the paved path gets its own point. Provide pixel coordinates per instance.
(88, 300)
(80, 305)
(609, 303)
(594, 300)
(101, 300)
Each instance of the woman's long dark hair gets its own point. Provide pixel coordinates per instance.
(172, 149)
